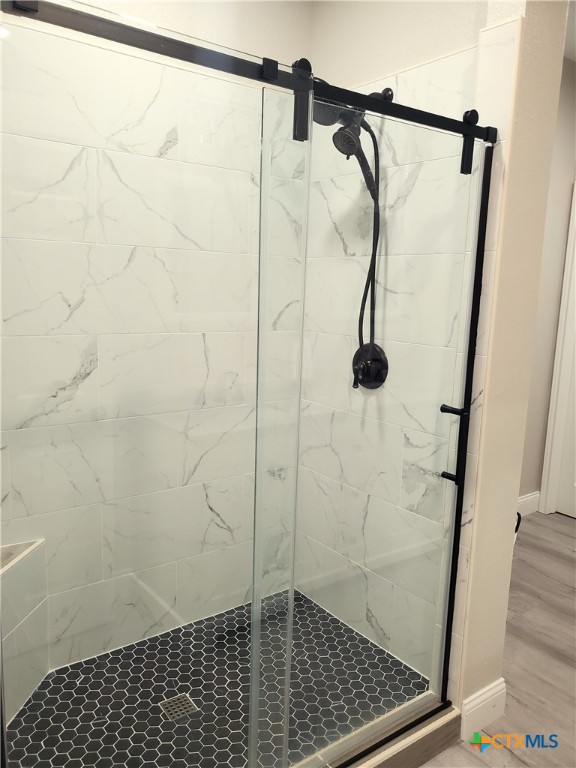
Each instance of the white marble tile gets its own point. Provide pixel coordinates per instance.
(5, 499)
(360, 452)
(340, 222)
(276, 571)
(496, 79)
(279, 230)
(220, 122)
(217, 291)
(214, 582)
(161, 373)
(73, 544)
(110, 614)
(420, 379)
(281, 293)
(486, 298)
(413, 627)
(273, 363)
(25, 660)
(455, 667)
(277, 434)
(477, 404)
(418, 297)
(359, 598)
(216, 443)
(150, 530)
(80, 464)
(319, 513)
(138, 115)
(393, 543)
(74, 288)
(48, 190)
(23, 588)
(276, 500)
(469, 500)
(288, 158)
(168, 204)
(49, 381)
(460, 601)
(424, 458)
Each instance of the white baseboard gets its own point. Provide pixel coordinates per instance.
(529, 503)
(482, 708)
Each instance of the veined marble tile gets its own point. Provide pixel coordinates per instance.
(418, 297)
(110, 614)
(276, 572)
(49, 381)
(214, 582)
(25, 660)
(73, 544)
(486, 299)
(424, 458)
(216, 443)
(460, 601)
(76, 465)
(277, 433)
(276, 499)
(138, 115)
(497, 54)
(23, 588)
(217, 291)
(469, 500)
(399, 545)
(279, 231)
(162, 373)
(340, 221)
(158, 528)
(168, 204)
(412, 636)
(319, 514)
(220, 122)
(420, 379)
(477, 404)
(356, 596)
(281, 293)
(48, 190)
(361, 452)
(5, 501)
(273, 362)
(288, 158)
(73, 288)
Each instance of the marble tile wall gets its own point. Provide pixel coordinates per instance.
(24, 624)
(130, 199)
(374, 516)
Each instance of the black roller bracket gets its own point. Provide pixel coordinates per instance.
(302, 67)
(470, 118)
(369, 366)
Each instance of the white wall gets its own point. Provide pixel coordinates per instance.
(562, 176)
(279, 30)
(357, 42)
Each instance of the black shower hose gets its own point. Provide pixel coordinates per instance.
(370, 285)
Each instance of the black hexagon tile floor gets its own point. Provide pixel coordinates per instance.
(106, 712)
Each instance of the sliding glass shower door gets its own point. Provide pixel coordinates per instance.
(349, 642)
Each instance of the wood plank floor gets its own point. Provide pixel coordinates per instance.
(540, 654)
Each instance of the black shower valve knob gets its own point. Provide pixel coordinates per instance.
(370, 367)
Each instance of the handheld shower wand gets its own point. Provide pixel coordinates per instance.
(370, 364)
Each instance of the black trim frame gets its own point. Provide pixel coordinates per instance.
(301, 82)
(464, 412)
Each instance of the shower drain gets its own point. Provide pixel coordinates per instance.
(179, 708)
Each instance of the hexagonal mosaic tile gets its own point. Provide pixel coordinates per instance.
(105, 712)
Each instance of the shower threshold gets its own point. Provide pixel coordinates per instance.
(106, 712)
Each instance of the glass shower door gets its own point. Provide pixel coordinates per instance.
(363, 604)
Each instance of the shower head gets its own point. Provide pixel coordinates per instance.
(347, 139)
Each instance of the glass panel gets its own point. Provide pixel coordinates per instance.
(375, 519)
(129, 298)
(284, 192)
